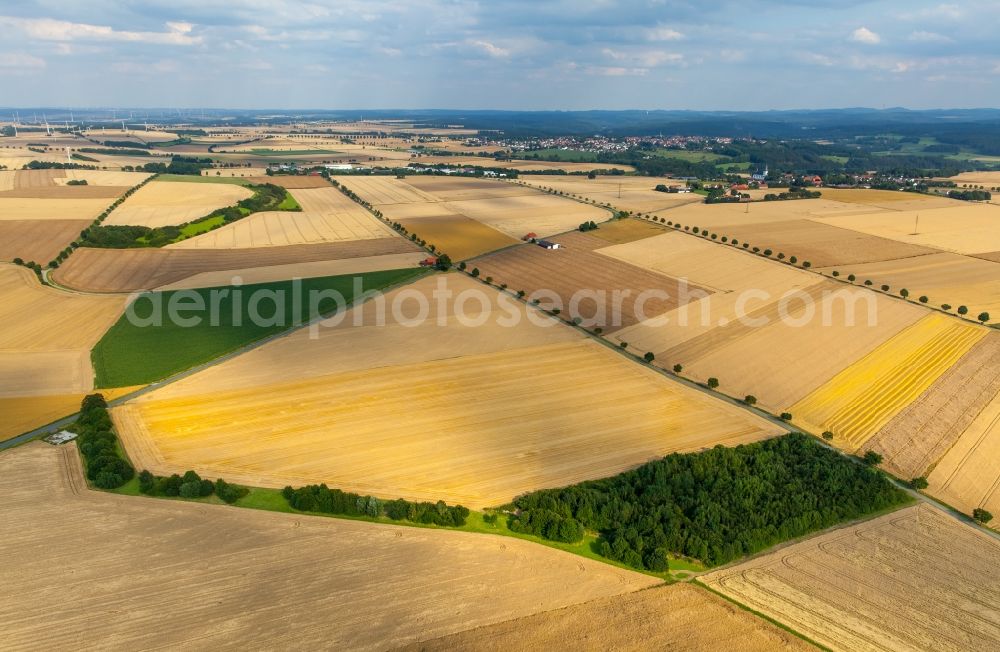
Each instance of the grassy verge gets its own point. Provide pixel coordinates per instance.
(138, 354)
(289, 203)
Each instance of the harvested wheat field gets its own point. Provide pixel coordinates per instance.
(582, 283)
(105, 177)
(926, 429)
(25, 413)
(28, 208)
(968, 476)
(859, 401)
(37, 240)
(540, 417)
(200, 569)
(988, 179)
(291, 182)
(890, 199)
(634, 194)
(681, 616)
(271, 273)
(161, 203)
(37, 353)
(966, 228)
(821, 244)
(118, 270)
(773, 353)
(458, 236)
(720, 217)
(327, 216)
(550, 408)
(626, 230)
(539, 213)
(239, 172)
(67, 192)
(915, 579)
(943, 277)
(459, 188)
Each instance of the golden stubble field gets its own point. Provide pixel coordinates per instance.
(168, 203)
(327, 216)
(39, 353)
(476, 415)
(915, 579)
(210, 575)
(634, 194)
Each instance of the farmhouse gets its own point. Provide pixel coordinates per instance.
(547, 244)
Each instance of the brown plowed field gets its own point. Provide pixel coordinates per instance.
(102, 571)
(577, 270)
(821, 244)
(127, 270)
(37, 240)
(678, 617)
(924, 431)
(24, 179)
(915, 579)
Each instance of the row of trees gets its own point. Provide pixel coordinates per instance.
(105, 466)
(715, 506)
(320, 498)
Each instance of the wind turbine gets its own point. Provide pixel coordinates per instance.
(124, 128)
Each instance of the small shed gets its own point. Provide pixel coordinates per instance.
(547, 244)
(60, 437)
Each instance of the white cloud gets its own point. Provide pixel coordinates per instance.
(48, 29)
(19, 63)
(645, 58)
(865, 35)
(921, 36)
(661, 33)
(817, 59)
(615, 71)
(492, 50)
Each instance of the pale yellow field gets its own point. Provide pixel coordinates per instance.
(163, 203)
(520, 164)
(38, 352)
(968, 476)
(889, 199)
(235, 172)
(943, 277)
(24, 413)
(269, 273)
(719, 216)
(327, 216)
(476, 414)
(988, 179)
(915, 579)
(539, 213)
(967, 228)
(857, 402)
(18, 208)
(105, 178)
(624, 193)
(218, 577)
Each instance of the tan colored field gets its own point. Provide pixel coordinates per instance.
(292, 182)
(514, 210)
(720, 216)
(678, 617)
(926, 429)
(780, 362)
(105, 177)
(269, 273)
(915, 579)
(235, 172)
(943, 277)
(327, 216)
(202, 571)
(968, 476)
(988, 179)
(458, 236)
(821, 244)
(549, 409)
(27, 208)
(634, 194)
(966, 229)
(37, 240)
(860, 400)
(25, 413)
(67, 193)
(627, 230)
(37, 353)
(161, 203)
(126, 270)
(890, 199)
(520, 164)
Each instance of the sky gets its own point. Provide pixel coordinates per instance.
(521, 55)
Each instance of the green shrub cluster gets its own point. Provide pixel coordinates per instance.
(320, 498)
(588, 226)
(715, 506)
(106, 468)
(189, 485)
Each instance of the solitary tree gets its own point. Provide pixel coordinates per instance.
(678, 368)
(852, 278)
(786, 416)
(923, 298)
(750, 399)
(461, 266)
(963, 310)
(885, 288)
(919, 483)
(981, 515)
(984, 317)
(872, 458)
(713, 382)
(945, 306)
(827, 435)
(475, 272)
(904, 293)
(649, 357)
